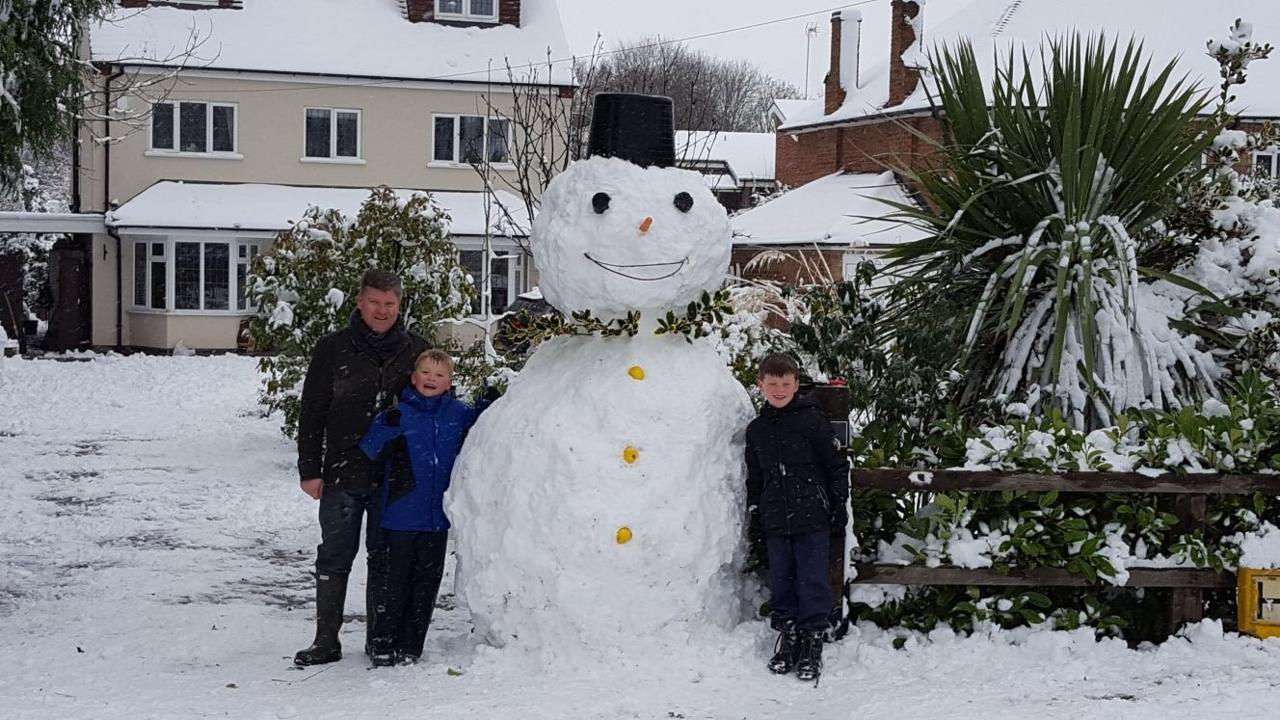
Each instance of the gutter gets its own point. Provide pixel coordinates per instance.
(379, 79)
(106, 208)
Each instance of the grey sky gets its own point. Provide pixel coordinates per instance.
(779, 47)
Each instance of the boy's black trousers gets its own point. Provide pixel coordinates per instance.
(799, 590)
(408, 596)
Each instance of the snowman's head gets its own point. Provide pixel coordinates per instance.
(612, 237)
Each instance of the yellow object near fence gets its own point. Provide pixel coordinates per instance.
(1258, 599)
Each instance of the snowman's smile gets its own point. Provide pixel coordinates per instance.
(642, 271)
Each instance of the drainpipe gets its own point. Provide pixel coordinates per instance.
(106, 208)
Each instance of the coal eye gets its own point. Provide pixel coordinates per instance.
(600, 202)
(684, 202)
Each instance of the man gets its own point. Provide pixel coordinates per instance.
(354, 373)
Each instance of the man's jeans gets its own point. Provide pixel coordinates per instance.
(341, 514)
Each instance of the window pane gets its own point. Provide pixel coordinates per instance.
(498, 141)
(348, 134)
(451, 6)
(217, 280)
(186, 276)
(471, 263)
(443, 140)
(499, 286)
(158, 287)
(471, 139)
(482, 7)
(224, 123)
(1262, 165)
(157, 250)
(317, 132)
(162, 126)
(194, 126)
(140, 274)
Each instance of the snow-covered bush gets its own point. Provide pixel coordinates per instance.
(33, 248)
(1037, 254)
(305, 288)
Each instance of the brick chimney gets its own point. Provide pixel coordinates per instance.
(832, 88)
(420, 10)
(902, 33)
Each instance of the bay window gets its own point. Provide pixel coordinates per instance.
(505, 272)
(191, 274)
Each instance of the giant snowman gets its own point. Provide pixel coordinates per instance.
(600, 501)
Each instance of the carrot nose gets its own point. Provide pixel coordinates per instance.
(644, 226)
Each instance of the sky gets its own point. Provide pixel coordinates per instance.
(777, 47)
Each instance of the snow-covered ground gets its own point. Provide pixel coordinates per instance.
(154, 557)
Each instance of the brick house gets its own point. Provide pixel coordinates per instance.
(872, 114)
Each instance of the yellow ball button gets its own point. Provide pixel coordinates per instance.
(624, 535)
(630, 455)
(636, 372)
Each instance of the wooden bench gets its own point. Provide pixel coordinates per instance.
(1190, 494)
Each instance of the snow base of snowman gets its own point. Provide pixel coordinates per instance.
(579, 525)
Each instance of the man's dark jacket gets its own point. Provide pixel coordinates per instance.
(354, 374)
(797, 475)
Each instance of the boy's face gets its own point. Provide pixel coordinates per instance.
(778, 390)
(431, 378)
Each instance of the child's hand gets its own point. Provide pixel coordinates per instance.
(393, 417)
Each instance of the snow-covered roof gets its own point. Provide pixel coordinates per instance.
(1168, 29)
(251, 206)
(839, 209)
(363, 38)
(749, 155)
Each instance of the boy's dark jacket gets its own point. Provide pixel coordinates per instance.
(419, 441)
(797, 475)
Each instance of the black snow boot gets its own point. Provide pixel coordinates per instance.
(809, 664)
(381, 652)
(331, 594)
(786, 651)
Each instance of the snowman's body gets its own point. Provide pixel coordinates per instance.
(601, 500)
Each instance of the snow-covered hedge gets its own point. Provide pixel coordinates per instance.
(305, 288)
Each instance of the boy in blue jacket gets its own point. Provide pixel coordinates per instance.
(418, 441)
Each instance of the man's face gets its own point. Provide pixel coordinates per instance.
(432, 378)
(778, 390)
(378, 309)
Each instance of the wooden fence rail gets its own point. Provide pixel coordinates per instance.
(1185, 585)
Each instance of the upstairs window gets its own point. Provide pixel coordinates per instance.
(332, 133)
(471, 10)
(471, 139)
(200, 128)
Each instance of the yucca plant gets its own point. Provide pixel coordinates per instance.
(1042, 201)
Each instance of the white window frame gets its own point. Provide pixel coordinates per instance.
(517, 270)
(457, 141)
(334, 158)
(210, 153)
(468, 15)
(1272, 156)
(170, 261)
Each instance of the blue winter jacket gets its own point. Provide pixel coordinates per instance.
(418, 454)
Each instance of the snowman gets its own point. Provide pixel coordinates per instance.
(600, 502)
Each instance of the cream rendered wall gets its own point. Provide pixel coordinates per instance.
(395, 135)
